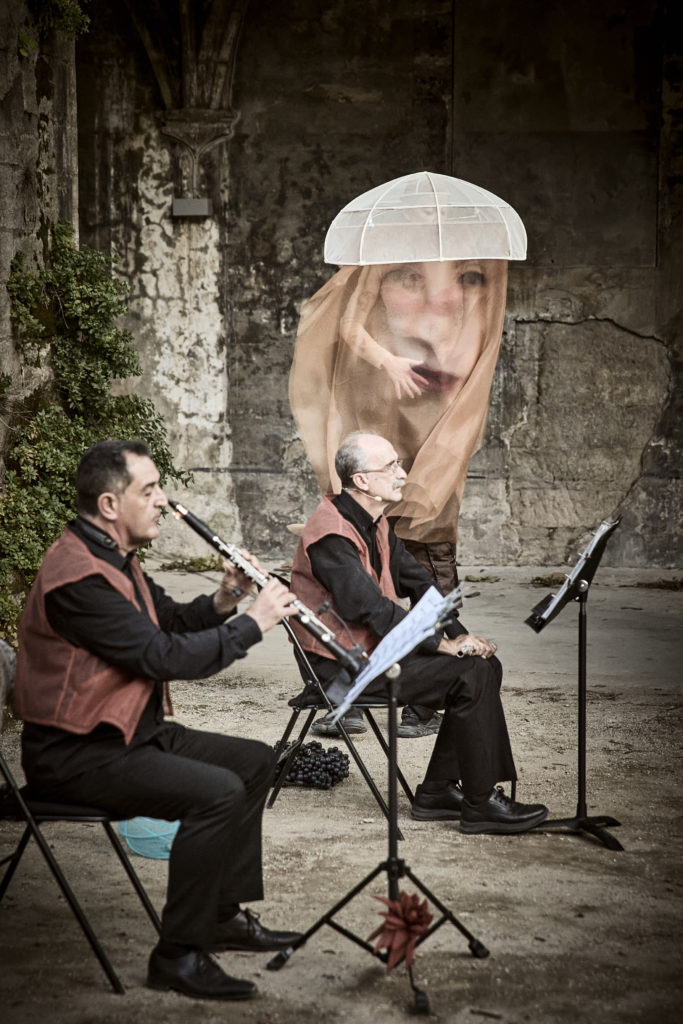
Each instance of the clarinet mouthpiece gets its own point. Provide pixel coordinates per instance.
(179, 511)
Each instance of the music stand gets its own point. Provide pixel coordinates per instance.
(394, 867)
(575, 588)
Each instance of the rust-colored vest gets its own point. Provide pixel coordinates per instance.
(328, 520)
(64, 686)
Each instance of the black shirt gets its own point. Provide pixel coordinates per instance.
(336, 564)
(192, 641)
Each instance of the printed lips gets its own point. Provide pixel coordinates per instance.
(433, 380)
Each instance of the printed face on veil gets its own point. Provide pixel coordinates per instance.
(406, 350)
(429, 319)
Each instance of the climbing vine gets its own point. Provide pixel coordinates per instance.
(66, 17)
(66, 316)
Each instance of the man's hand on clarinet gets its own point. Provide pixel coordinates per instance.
(274, 603)
(461, 646)
(235, 584)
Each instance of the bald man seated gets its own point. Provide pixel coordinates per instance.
(348, 555)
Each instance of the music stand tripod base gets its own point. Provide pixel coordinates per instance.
(575, 588)
(582, 823)
(395, 869)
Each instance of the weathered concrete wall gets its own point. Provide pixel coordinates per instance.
(330, 105)
(173, 266)
(38, 172)
(567, 111)
(578, 113)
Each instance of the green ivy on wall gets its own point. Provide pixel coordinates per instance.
(66, 17)
(65, 315)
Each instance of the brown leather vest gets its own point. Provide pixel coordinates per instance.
(64, 686)
(324, 521)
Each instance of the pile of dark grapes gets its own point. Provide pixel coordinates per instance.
(316, 768)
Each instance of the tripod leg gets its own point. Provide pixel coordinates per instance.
(283, 956)
(477, 948)
(591, 825)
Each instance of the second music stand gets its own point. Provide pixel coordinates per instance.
(575, 588)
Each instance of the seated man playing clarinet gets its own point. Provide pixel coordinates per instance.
(349, 556)
(98, 639)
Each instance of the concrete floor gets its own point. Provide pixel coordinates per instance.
(576, 932)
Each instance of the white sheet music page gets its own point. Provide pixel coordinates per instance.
(419, 623)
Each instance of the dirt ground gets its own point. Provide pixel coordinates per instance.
(576, 932)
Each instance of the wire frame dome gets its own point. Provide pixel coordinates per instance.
(424, 217)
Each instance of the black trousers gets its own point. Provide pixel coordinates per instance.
(217, 786)
(472, 744)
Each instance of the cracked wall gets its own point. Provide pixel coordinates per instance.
(567, 113)
(574, 405)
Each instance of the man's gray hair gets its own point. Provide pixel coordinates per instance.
(350, 458)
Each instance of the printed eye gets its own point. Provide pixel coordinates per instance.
(404, 277)
(472, 279)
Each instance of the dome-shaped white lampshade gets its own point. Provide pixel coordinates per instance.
(422, 217)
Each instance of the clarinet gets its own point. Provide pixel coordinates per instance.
(350, 659)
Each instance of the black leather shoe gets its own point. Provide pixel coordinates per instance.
(413, 727)
(500, 814)
(353, 723)
(245, 932)
(445, 805)
(196, 975)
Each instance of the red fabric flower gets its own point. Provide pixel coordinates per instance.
(405, 920)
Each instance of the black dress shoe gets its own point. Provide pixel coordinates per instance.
(245, 932)
(196, 975)
(499, 814)
(445, 805)
(352, 719)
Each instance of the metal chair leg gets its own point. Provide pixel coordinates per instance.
(70, 897)
(13, 861)
(385, 747)
(284, 767)
(132, 874)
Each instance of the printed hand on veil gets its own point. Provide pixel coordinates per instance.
(352, 332)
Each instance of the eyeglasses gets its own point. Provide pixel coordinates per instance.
(390, 467)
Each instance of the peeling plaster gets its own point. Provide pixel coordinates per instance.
(181, 346)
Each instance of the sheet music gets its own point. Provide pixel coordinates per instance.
(550, 606)
(420, 623)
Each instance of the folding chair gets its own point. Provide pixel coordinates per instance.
(313, 699)
(17, 803)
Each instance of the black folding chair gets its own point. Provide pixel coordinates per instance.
(19, 805)
(312, 700)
